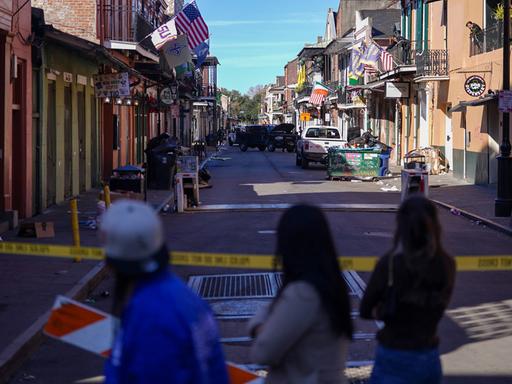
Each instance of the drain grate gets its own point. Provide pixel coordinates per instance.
(250, 285)
(236, 286)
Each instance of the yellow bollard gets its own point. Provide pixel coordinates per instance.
(106, 195)
(74, 226)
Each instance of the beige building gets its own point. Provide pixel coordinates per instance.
(453, 83)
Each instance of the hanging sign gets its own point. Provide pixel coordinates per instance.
(112, 85)
(505, 101)
(166, 96)
(304, 116)
(396, 90)
(475, 86)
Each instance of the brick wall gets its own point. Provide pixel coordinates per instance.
(291, 72)
(76, 17)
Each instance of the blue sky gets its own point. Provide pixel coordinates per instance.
(254, 39)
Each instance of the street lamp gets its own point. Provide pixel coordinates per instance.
(503, 202)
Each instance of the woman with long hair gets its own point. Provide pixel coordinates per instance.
(304, 334)
(409, 290)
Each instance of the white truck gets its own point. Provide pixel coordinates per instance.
(315, 142)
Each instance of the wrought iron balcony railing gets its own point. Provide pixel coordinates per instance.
(432, 62)
(486, 40)
(128, 23)
(405, 51)
(305, 91)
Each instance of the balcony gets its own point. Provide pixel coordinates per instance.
(487, 40)
(208, 91)
(305, 91)
(129, 23)
(432, 63)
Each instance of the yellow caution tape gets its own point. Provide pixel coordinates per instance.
(226, 260)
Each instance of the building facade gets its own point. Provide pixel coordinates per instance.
(16, 130)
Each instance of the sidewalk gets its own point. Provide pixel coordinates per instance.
(28, 285)
(473, 201)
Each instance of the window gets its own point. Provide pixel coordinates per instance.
(490, 6)
(323, 133)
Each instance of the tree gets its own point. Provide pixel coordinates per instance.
(248, 103)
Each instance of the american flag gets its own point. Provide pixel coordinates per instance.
(318, 94)
(316, 98)
(386, 60)
(189, 21)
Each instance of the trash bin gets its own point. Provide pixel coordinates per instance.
(129, 178)
(414, 181)
(384, 162)
(161, 157)
(348, 162)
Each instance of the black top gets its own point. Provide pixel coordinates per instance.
(420, 303)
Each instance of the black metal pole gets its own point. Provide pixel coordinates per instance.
(503, 202)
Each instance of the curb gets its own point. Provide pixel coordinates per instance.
(472, 216)
(19, 350)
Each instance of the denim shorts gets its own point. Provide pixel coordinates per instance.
(397, 366)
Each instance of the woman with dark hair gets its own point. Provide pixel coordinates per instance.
(304, 334)
(409, 290)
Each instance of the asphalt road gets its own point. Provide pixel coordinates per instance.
(476, 334)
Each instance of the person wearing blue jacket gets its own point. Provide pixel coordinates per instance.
(166, 333)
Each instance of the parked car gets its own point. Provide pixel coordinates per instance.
(314, 143)
(253, 136)
(282, 136)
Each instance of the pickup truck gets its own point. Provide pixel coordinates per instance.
(314, 143)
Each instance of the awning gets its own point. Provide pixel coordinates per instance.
(473, 103)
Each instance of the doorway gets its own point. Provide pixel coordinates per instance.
(493, 132)
(94, 143)
(19, 132)
(51, 147)
(82, 147)
(68, 142)
(448, 137)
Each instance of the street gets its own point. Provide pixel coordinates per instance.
(476, 332)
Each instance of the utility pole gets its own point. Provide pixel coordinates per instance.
(503, 202)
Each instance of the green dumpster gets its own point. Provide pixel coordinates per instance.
(353, 162)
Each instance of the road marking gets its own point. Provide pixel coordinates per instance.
(267, 232)
(248, 339)
(284, 206)
(245, 261)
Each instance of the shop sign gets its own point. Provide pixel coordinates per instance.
(112, 85)
(505, 101)
(304, 116)
(166, 96)
(68, 77)
(82, 80)
(396, 90)
(475, 86)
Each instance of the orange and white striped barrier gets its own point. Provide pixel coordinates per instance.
(82, 326)
(92, 330)
(239, 375)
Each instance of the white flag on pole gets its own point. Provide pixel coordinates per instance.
(164, 33)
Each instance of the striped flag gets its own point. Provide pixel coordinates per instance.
(386, 60)
(318, 94)
(163, 34)
(190, 21)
